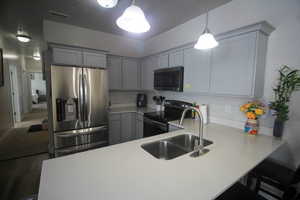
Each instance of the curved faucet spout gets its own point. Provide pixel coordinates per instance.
(200, 149)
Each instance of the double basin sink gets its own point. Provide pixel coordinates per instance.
(173, 147)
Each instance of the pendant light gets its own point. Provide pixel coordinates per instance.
(107, 3)
(22, 36)
(36, 56)
(133, 20)
(207, 39)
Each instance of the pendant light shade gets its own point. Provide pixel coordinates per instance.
(133, 20)
(207, 39)
(22, 36)
(107, 3)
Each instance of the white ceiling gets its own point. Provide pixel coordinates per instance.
(162, 15)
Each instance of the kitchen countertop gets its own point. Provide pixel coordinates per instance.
(119, 110)
(126, 171)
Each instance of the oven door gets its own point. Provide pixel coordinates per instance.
(152, 128)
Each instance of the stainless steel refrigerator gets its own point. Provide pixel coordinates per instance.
(79, 108)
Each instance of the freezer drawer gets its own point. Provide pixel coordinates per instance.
(81, 137)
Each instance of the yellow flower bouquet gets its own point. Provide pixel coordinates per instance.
(253, 111)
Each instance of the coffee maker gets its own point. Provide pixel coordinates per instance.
(141, 100)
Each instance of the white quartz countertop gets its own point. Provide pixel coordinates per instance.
(127, 109)
(127, 172)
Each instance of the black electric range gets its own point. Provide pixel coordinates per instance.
(156, 123)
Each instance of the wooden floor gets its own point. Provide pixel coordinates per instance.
(21, 156)
(20, 178)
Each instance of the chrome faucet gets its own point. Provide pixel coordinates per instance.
(199, 150)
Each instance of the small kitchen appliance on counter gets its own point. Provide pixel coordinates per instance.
(141, 100)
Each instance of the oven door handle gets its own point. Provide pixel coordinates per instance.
(150, 121)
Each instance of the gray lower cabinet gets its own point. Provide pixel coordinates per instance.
(114, 129)
(123, 128)
(114, 67)
(139, 126)
(130, 69)
(196, 70)
(128, 127)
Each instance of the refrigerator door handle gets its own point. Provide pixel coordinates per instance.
(86, 97)
(81, 100)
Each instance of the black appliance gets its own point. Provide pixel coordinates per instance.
(156, 123)
(141, 100)
(170, 79)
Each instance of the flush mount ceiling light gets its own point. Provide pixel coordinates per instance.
(133, 20)
(107, 3)
(22, 36)
(207, 39)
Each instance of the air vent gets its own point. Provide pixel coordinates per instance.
(58, 14)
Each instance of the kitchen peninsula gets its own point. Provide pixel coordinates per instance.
(126, 171)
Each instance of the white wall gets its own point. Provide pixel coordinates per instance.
(77, 36)
(283, 48)
(38, 83)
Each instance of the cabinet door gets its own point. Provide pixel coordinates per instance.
(176, 58)
(114, 67)
(130, 74)
(139, 126)
(233, 66)
(148, 66)
(115, 129)
(128, 127)
(196, 70)
(93, 59)
(163, 61)
(67, 56)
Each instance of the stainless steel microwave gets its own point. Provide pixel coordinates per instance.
(169, 79)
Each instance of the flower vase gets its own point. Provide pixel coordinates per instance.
(251, 126)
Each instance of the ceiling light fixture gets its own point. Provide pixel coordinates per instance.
(206, 39)
(107, 3)
(36, 55)
(22, 36)
(133, 20)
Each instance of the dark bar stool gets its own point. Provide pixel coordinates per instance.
(275, 175)
(241, 192)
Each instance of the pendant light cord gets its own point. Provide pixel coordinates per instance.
(133, 2)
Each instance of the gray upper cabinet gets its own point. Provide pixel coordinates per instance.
(163, 60)
(64, 55)
(67, 56)
(176, 58)
(130, 74)
(148, 66)
(94, 59)
(196, 70)
(233, 65)
(114, 67)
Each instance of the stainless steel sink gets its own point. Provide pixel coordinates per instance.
(163, 150)
(187, 141)
(173, 147)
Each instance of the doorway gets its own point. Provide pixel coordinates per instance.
(15, 95)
